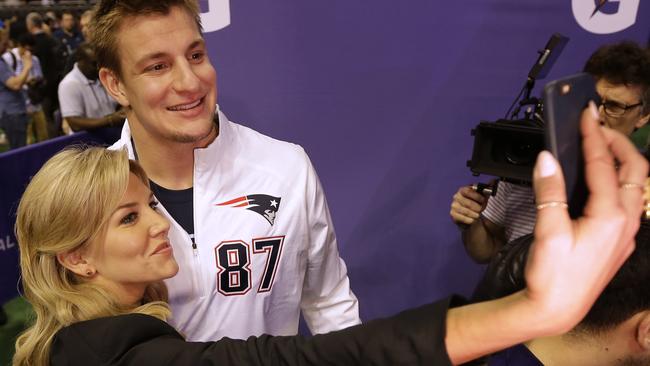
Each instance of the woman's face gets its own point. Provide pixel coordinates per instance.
(135, 250)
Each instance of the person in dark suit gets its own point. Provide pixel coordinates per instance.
(46, 48)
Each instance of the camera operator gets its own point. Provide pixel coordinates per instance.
(622, 73)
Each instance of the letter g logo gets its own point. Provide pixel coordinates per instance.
(601, 22)
(217, 17)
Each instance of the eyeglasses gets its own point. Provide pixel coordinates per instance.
(615, 109)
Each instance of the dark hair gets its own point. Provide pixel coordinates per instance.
(623, 63)
(629, 291)
(35, 18)
(625, 295)
(85, 52)
(26, 39)
(17, 29)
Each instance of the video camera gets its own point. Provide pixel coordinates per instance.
(508, 147)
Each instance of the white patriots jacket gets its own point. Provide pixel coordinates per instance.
(265, 243)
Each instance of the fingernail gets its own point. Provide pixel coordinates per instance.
(546, 164)
(594, 110)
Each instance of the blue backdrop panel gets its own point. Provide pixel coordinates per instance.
(383, 95)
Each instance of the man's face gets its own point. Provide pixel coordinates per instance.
(88, 65)
(67, 22)
(167, 78)
(83, 24)
(618, 96)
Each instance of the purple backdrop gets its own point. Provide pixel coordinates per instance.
(383, 96)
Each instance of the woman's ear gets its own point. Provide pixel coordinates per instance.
(74, 261)
(113, 86)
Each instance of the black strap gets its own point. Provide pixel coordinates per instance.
(13, 57)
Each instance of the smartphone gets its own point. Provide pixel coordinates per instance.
(564, 101)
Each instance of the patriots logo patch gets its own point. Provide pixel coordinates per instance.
(265, 205)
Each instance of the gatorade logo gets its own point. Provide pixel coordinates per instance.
(605, 16)
(217, 17)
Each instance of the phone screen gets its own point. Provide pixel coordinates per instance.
(564, 101)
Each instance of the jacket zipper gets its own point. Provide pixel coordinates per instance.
(198, 270)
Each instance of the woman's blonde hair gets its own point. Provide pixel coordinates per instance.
(65, 207)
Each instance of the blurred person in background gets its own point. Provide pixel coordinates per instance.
(33, 89)
(13, 113)
(50, 53)
(68, 33)
(84, 102)
(51, 22)
(84, 21)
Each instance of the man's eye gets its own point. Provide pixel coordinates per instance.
(156, 67)
(197, 56)
(128, 219)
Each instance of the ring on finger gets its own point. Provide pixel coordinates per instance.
(549, 204)
(632, 185)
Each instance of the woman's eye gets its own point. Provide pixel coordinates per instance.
(154, 205)
(128, 219)
(197, 56)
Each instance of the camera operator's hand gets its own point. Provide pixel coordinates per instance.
(467, 205)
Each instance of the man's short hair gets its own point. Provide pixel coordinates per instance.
(109, 15)
(623, 63)
(26, 40)
(85, 52)
(629, 291)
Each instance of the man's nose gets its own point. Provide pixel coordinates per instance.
(185, 78)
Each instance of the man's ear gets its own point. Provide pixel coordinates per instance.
(643, 331)
(642, 121)
(74, 261)
(113, 86)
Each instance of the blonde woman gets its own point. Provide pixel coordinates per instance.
(94, 250)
